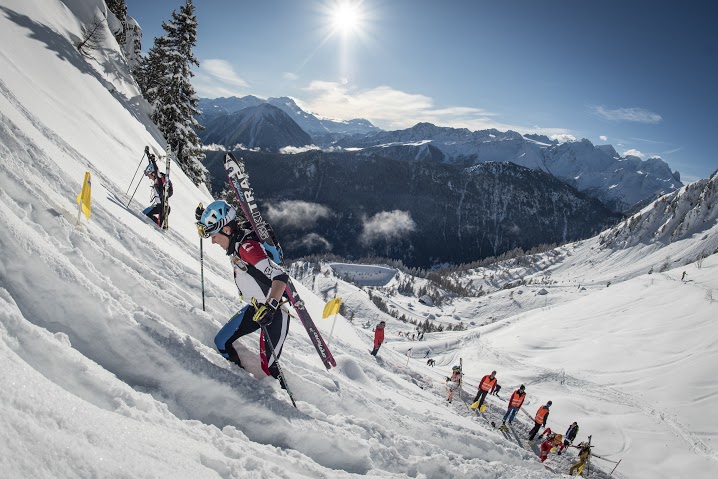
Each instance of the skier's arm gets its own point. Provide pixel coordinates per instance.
(545, 419)
(277, 289)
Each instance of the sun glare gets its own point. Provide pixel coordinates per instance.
(346, 18)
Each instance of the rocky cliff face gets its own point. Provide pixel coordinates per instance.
(421, 212)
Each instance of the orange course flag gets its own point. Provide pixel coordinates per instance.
(332, 307)
(84, 199)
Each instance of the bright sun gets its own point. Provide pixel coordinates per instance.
(346, 18)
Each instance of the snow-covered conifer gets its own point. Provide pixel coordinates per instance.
(119, 9)
(164, 78)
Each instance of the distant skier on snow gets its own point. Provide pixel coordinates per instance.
(258, 279)
(378, 337)
(486, 383)
(495, 390)
(583, 454)
(156, 210)
(540, 420)
(571, 434)
(552, 442)
(515, 402)
(454, 382)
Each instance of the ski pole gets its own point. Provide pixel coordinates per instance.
(268, 342)
(198, 215)
(201, 269)
(134, 192)
(133, 176)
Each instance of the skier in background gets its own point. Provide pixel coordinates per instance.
(540, 419)
(378, 337)
(583, 454)
(515, 402)
(259, 280)
(453, 382)
(571, 434)
(495, 389)
(156, 210)
(486, 383)
(553, 441)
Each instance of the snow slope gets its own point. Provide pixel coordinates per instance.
(107, 359)
(107, 362)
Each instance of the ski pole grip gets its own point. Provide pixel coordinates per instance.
(198, 212)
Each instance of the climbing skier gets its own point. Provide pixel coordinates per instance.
(495, 390)
(487, 382)
(258, 278)
(378, 337)
(552, 442)
(540, 419)
(584, 451)
(454, 381)
(157, 197)
(515, 402)
(571, 434)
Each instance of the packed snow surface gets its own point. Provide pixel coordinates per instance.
(108, 362)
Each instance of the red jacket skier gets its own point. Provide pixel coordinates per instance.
(378, 337)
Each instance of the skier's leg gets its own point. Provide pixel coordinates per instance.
(513, 412)
(277, 334)
(482, 397)
(506, 416)
(152, 212)
(236, 327)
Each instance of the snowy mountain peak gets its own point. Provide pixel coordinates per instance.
(674, 217)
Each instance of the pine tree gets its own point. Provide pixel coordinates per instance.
(164, 79)
(119, 9)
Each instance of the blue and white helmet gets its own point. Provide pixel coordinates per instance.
(217, 215)
(150, 170)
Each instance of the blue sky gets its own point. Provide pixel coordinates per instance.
(639, 75)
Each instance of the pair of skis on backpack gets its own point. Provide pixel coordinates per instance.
(239, 179)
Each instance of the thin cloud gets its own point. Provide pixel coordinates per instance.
(315, 242)
(393, 109)
(293, 150)
(603, 138)
(634, 152)
(216, 78)
(563, 137)
(297, 214)
(638, 115)
(290, 76)
(387, 225)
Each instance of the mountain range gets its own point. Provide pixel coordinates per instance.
(597, 170)
(423, 213)
(314, 125)
(107, 323)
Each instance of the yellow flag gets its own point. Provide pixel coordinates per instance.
(332, 307)
(84, 199)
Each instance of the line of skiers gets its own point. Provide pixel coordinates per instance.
(553, 442)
